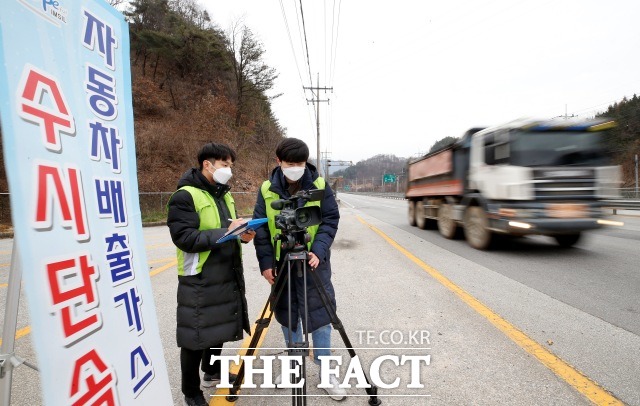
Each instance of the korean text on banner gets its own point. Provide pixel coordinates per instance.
(69, 150)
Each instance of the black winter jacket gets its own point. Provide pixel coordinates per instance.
(212, 308)
(318, 315)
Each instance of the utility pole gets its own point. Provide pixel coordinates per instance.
(636, 176)
(326, 164)
(317, 102)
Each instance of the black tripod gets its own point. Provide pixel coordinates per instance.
(297, 259)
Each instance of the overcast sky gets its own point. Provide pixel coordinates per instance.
(408, 73)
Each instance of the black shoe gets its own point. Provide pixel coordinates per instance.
(210, 380)
(197, 400)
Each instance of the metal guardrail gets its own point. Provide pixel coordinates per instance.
(622, 204)
(398, 196)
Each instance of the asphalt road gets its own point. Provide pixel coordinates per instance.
(580, 305)
(584, 300)
(600, 276)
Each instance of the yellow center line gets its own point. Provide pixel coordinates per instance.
(21, 333)
(580, 382)
(161, 261)
(156, 271)
(3, 285)
(24, 331)
(219, 397)
(153, 246)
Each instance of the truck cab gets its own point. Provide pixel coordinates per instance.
(529, 176)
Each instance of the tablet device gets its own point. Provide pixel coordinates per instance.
(252, 224)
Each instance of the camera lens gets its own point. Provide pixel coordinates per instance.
(303, 217)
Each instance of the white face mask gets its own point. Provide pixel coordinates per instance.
(221, 175)
(294, 173)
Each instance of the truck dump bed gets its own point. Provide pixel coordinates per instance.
(434, 175)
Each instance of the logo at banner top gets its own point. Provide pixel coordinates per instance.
(50, 10)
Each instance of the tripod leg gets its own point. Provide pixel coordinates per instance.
(337, 324)
(303, 264)
(299, 395)
(261, 324)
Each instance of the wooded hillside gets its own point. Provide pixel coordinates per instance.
(624, 140)
(373, 168)
(194, 83)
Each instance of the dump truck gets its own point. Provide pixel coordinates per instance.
(545, 177)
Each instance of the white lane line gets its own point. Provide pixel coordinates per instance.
(346, 202)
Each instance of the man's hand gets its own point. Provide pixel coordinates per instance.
(314, 261)
(268, 275)
(236, 223)
(247, 235)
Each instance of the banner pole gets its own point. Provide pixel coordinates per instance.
(7, 357)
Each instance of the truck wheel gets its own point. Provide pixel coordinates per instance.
(412, 213)
(567, 240)
(476, 228)
(446, 224)
(421, 220)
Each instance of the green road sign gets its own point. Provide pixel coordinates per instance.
(389, 178)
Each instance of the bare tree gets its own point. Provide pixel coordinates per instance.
(267, 134)
(193, 12)
(116, 3)
(252, 76)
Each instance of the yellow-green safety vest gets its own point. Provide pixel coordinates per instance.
(270, 196)
(190, 263)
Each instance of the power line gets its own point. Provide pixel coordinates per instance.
(593, 108)
(286, 23)
(324, 8)
(333, 21)
(329, 70)
(300, 34)
(329, 145)
(295, 59)
(304, 30)
(335, 51)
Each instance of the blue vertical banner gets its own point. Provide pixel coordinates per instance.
(69, 151)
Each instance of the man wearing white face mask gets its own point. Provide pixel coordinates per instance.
(212, 308)
(292, 175)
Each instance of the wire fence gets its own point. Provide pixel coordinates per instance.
(153, 206)
(630, 193)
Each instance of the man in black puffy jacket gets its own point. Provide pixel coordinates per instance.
(212, 308)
